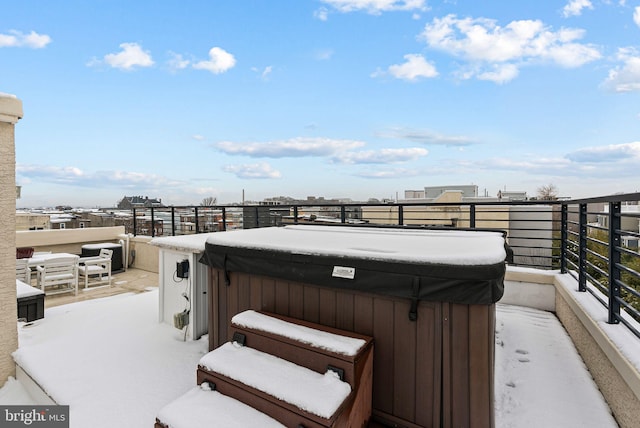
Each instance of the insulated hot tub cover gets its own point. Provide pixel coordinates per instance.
(457, 266)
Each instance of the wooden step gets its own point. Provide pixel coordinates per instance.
(301, 374)
(316, 347)
(310, 345)
(314, 396)
(201, 406)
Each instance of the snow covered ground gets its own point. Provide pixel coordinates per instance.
(116, 365)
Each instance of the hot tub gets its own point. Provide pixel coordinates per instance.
(426, 296)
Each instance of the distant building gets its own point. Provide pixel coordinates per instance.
(525, 224)
(141, 225)
(32, 221)
(505, 195)
(629, 221)
(466, 192)
(94, 218)
(63, 221)
(130, 202)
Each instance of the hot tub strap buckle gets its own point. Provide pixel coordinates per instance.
(227, 280)
(413, 312)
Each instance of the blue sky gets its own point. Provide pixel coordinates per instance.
(338, 98)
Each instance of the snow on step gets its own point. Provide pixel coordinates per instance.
(315, 338)
(315, 393)
(201, 407)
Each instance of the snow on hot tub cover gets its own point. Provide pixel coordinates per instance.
(458, 266)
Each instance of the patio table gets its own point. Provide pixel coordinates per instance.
(39, 259)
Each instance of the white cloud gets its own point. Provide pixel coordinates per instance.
(501, 73)
(253, 171)
(415, 67)
(321, 14)
(575, 7)
(264, 73)
(375, 6)
(219, 61)
(531, 164)
(619, 160)
(625, 78)
(128, 58)
(267, 71)
(17, 39)
(636, 15)
(426, 137)
(389, 173)
(198, 137)
(177, 62)
(490, 47)
(323, 54)
(629, 152)
(294, 147)
(74, 176)
(382, 156)
(54, 174)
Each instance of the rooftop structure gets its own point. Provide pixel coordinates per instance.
(591, 293)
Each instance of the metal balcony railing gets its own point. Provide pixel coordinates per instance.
(594, 240)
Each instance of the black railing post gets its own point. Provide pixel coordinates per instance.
(153, 224)
(343, 214)
(173, 221)
(564, 235)
(195, 211)
(401, 215)
(472, 216)
(224, 219)
(582, 277)
(135, 224)
(257, 216)
(295, 214)
(615, 223)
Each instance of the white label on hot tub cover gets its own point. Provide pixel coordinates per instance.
(344, 272)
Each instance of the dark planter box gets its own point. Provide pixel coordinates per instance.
(31, 308)
(117, 264)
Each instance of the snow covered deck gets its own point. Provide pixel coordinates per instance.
(115, 365)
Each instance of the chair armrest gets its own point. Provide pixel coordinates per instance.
(94, 260)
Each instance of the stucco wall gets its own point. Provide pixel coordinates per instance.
(617, 378)
(146, 255)
(67, 240)
(621, 399)
(10, 112)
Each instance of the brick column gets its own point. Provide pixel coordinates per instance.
(10, 112)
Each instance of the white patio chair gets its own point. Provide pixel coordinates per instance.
(96, 270)
(61, 273)
(23, 273)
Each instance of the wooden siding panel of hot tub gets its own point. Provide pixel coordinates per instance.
(468, 352)
(407, 354)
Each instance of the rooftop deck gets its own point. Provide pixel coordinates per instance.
(604, 335)
(128, 366)
(129, 281)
